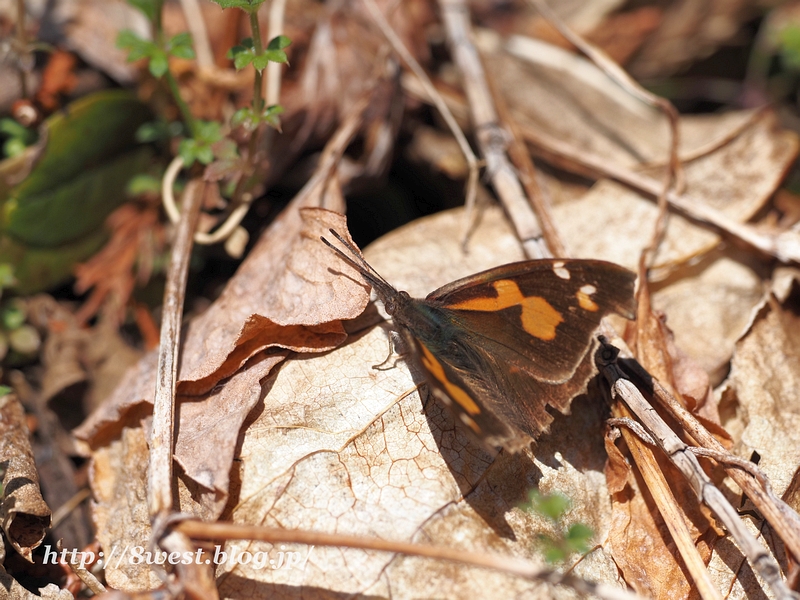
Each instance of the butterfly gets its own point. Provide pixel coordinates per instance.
(501, 346)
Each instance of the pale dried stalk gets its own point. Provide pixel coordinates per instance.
(627, 83)
(778, 514)
(492, 139)
(159, 475)
(668, 507)
(433, 96)
(785, 245)
(505, 564)
(272, 82)
(86, 576)
(684, 459)
(197, 27)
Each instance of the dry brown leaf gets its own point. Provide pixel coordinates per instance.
(25, 515)
(716, 296)
(558, 96)
(764, 381)
(341, 446)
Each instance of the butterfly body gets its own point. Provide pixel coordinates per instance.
(502, 347)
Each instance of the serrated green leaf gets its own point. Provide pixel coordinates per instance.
(159, 64)
(241, 116)
(278, 56)
(279, 43)
(246, 5)
(5, 390)
(186, 150)
(243, 59)
(249, 43)
(205, 155)
(181, 39)
(260, 62)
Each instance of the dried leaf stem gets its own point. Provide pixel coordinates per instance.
(434, 97)
(159, 477)
(784, 246)
(673, 515)
(685, 460)
(783, 519)
(492, 139)
(510, 565)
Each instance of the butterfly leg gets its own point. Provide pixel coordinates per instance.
(397, 346)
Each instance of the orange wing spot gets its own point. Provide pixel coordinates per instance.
(456, 393)
(539, 318)
(585, 301)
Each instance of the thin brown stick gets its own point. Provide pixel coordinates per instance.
(434, 97)
(678, 453)
(159, 477)
(667, 505)
(492, 139)
(506, 564)
(785, 245)
(626, 82)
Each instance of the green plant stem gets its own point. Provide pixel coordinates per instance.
(246, 182)
(158, 36)
(258, 47)
(191, 124)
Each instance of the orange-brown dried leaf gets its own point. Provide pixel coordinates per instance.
(110, 273)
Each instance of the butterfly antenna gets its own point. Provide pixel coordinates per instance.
(355, 259)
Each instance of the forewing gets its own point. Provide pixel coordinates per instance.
(539, 316)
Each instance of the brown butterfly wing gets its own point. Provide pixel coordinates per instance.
(538, 316)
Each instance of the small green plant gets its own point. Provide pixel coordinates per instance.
(789, 44)
(17, 137)
(567, 539)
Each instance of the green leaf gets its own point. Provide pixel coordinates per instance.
(278, 56)
(553, 506)
(187, 151)
(243, 59)
(137, 47)
(80, 177)
(151, 8)
(181, 46)
(159, 64)
(5, 390)
(243, 116)
(578, 537)
(279, 43)
(246, 5)
(205, 155)
(261, 61)
(270, 116)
